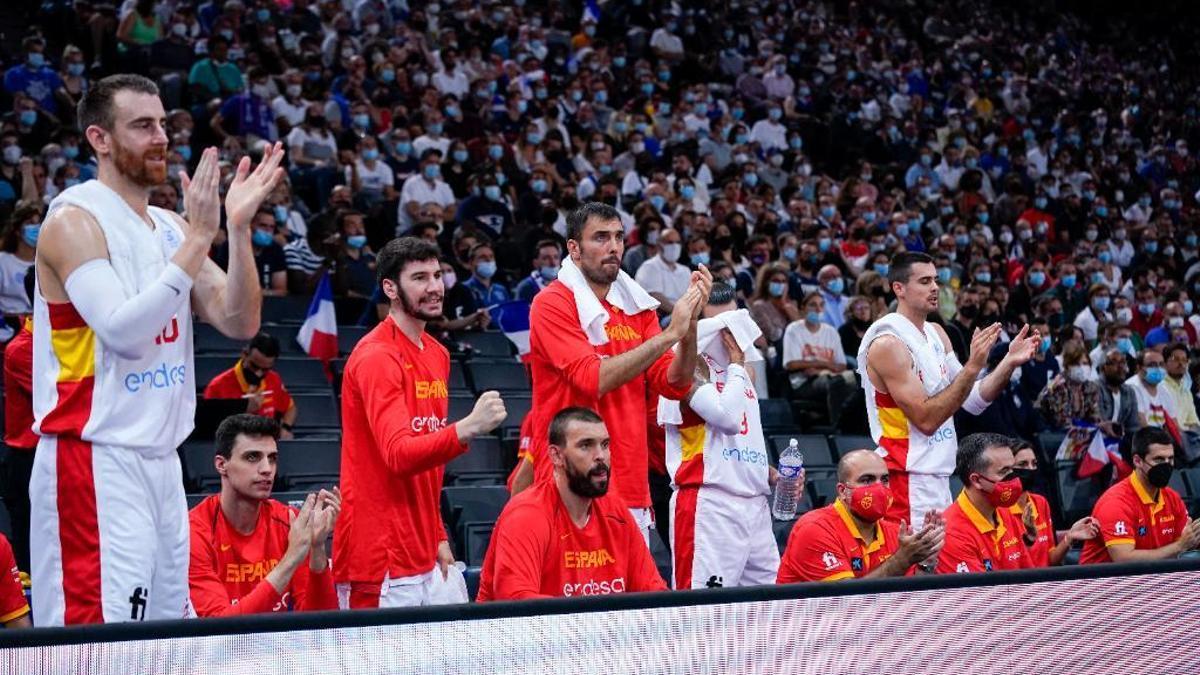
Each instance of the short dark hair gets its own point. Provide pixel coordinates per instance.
(245, 424)
(577, 219)
(1175, 347)
(547, 243)
(1146, 436)
(900, 267)
(971, 451)
(563, 418)
(96, 106)
(399, 252)
(265, 343)
(722, 294)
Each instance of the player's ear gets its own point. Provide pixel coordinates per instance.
(219, 462)
(390, 289)
(556, 455)
(573, 249)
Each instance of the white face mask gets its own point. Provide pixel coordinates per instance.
(449, 279)
(293, 90)
(1080, 373)
(670, 252)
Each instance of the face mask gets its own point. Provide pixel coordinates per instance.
(983, 277)
(371, 155)
(1187, 306)
(28, 117)
(1068, 281)
(435, 128)
(1124, 345)
(777, 288)
(1159, 475)
(432, 171)
(486, 269)
(1004, 493)
(460, 156)
(261, 238)
(549, 272)
(812, 317)
(1045, 345)
(1150, 246)
(687, 192)
(35, 60)
(870, 502)
(1036, 279)
(1155, 375)
(1119, 234)
(356, 241)
(671, 252)
(824, 243)
(1028, 478)
(29, 233)
(836, 286)
(637, 147)
(943, 275)
(1080, 373)
(492, 192)
(750, 179)
(961, 240)
(882, 269)
(1006, 237)
(1147, 308)
(1101, 303)
(658, 202)
(539, 185)
(252, 378)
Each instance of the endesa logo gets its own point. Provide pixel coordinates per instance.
(431, 423)
(593, 587)
(162, 377)
(749, 456)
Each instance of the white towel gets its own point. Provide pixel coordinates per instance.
(624, 293)
(712, 349)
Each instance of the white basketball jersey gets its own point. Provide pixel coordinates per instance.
(84, 390)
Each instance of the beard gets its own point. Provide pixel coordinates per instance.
(584, 484)
(599, 275)
(138, 169)
(414, 309)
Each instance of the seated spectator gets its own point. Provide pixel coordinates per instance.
(254, 378)
(34, 76)
(663, 276)
(565, 536)
(354, 273)
(1156, 404)
(1173, 318)
(772, 305)
(483, 285)
(19, 249)
(251, 554)
(1113, 336)
(1096, 312)
(422, 188)
(489, 210)
(459, 309)
(14, 608)
(545, 270)
(1141, 518)
(215, 76)
(247, 115)
(812, 353)
(832, 287)
(1119, 416)
(1045, 549)
(859, 317)
(1074, 394)
(982, 534)
(310, 257)
(269, 257)
(369, 176)
(1178, 384)
(312, 150)
(1043, 367)
(849, 539)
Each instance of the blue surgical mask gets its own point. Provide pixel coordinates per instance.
(362, 120)
(836, 285)
(827, 212)
(281, 213)
(902, 230)
(1155, 375)
(1045, 345)
(29, 233)
(451, 111)
(658, 201)
(533, 138)
(1190, 240)
(388, 75)
(1125, 345)
(75, 69)
(1188, 307)
(432, 171)
(72, 151)
(882, 269)
(1097, 278)
(1067, 280)
(1102, 211)
(370, 154)
(549, 272)
(492, 192)
(687, 192)
(777, 288)
(1040, 202)
(983, 217)
(496, 152)
(486, 269)
(28, 117)
(1036, 279)
(356, 241)
(1101, 302)
(1104, 257)
(961, 240)
(35, 60)
(700, 258)
(403, 148)
(435, 128)
(261, 238)
(540, 185)
(789, 253)
(1149, 246)
(943, 275)
(647, 88)
(983, 277)
(1147, 308)
(824, 243)
(813, 317)
(460, 156)
(750, 179)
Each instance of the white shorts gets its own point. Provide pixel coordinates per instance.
(719, 539)
(109, 538)
(926, 492)
(644, 517)
(419, 590)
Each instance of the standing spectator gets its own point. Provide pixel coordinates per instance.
(663, 276)
(355, 269)
(1046, 549)
(254, 378)
(1074, 394)
(251, 554)
(545, 270)
(982, 534)
(269, 257)
(396, 441)
(540, 543)
(1141, 518)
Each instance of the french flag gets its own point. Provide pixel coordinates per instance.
(513, 319)
(318, 334)
(1095, 451)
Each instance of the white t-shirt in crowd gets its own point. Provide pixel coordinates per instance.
(313, 145)
(1154, 406)
(769, 135)
(801, 344)
(656, 276)
(293, 113)
(417, 189)
(375, 180)
(12, 284)
(425, 142)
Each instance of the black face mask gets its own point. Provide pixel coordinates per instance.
(1159, 475)
(968, 312)
(317, 122)
(861, 324)
(1029, 478)
(252, 378)
(988, 319)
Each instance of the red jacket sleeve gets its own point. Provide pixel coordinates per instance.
(209, 595)
(813, 554)
(558, 339)
(12, 595)
(383, 386)
(1117, 521)
(519, 543)
(643, 573)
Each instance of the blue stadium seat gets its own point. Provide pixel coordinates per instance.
(486, 343)
(500, 376)
(471, 576)
(286, 335)
(845, 444)
(209, 366)
(776, 415)
(822, 491)
(458, 379)
(517, 406)
(1078, 495)
(198, 465)
(467, 506)
(1191, 478)
(661, 555)
(309, 464)
(814, 448)
(783, 530)
(460, 406)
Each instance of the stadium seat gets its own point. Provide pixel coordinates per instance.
(302, 374)
(814, 448)
(775, 415)
(1191, 478)
(475, 540)
(286, 335)
(289, 309)
(471, 576)
(486, 344)
(1050, 441)
(460, 406)
(309, 464)
(661, 555)
(1078, 495)
(472, 504)
(318, 410)
(198, 465)
(783, 529)
(458, 379)
(822, 491)
(500, 376)
(208, 340)
(209, 366)
(348, 337)
(484, 457)
(845, 444)
(517, 407)
(956, 485)
(194, 499)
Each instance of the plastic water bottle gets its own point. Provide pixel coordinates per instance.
(783, 507)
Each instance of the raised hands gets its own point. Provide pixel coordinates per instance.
(250, 188)
(1023, 346)
(202, 198)
(981, 344)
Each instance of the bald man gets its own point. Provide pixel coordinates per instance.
(849, 539)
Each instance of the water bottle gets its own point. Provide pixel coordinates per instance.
(783, 507)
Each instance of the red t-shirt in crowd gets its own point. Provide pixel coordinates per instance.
(18, 390)
(232, 384)
(1039, 553)
(1129, 515)
(228, 570)
(826, 545)
(566, 372)
(537, 551)
(395, 445)
(975, 544)
(12, 594)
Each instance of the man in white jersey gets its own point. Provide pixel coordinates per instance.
(721, 531)
(113, 383)
(914, 384)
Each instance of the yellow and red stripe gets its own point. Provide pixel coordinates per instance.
(689, 477)
(74, 346)
(893, 438)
